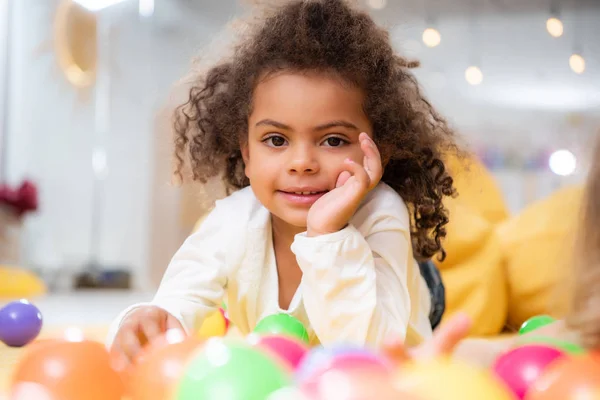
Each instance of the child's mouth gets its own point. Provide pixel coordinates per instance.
(302, 197)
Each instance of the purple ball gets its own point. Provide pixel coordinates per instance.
(20, 323)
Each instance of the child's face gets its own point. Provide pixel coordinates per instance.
(301, 129)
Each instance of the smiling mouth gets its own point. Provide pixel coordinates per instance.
(304, 193)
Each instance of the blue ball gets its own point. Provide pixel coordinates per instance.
(20, 323)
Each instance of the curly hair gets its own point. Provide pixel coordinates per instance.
(332, 37)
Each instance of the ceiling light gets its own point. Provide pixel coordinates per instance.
(431, 37)
(473, 75)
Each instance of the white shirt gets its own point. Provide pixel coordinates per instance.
(360, 285)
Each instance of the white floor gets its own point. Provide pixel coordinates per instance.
(85, 307)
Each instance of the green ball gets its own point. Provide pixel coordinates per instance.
(231, 371)
(567, 347)
(282, 324)
(534, 323)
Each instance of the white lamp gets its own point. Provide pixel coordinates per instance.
(97, 5)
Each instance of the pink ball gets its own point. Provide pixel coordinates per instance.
(522, 366)
(225, 317)
(290, 350)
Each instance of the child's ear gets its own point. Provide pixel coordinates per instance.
(245, 152)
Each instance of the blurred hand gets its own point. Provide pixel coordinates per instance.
(443, 343)
(139, 328)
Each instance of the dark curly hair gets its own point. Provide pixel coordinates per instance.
(328, 36)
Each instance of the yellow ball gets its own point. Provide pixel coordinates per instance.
(446, 379)
(214, 325)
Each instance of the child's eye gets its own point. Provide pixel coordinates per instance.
(275, 141)
(334, 141)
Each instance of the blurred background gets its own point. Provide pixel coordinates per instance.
(87, 88)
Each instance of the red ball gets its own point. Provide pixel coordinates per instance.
(520, 367)
(289, 349)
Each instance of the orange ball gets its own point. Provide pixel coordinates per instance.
(69, 371)
(569, 379)
(160, 366)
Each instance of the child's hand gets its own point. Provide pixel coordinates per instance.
(443, 343)
(333, 211)
(140, 327)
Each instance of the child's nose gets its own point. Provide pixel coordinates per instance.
(303, 160)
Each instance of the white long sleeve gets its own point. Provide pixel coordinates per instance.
(365, 287)
(359, 285)
(195, 280)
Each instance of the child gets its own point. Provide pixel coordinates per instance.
(334, 163)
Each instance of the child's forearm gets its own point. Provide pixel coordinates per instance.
(481, 352)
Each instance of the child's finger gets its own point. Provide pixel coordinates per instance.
(372, 160)
(342, 178)
(450, 334)
(359, 173)
(129, 343)
(173, 323)
(150, 329)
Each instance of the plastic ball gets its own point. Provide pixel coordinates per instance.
(321, 359)
(534, 323)
(70, 371)
(289, 349)
(20, 323)
(520, 367)
(567, 347)
(160, 366)
(282, 324)
(574, 378)
(216, 324)
(443, 378)
(352, 383)
(229, 370)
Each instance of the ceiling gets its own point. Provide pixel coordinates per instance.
(528, 84)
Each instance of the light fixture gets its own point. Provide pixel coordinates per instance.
(562, 162)
(473, 75)
(431, 37)
(97, 5)
(577, 63)
(146, 8)
(377, 4)
(555, 27)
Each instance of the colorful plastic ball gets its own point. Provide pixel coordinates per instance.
(225, 317)
(447, 379)
(160, 366)
(568, 347)
(70, 371)
(216, 324)
(534, 323)
(20, 323)
(352, 383)
(229, 370)
(282, 324)
(289, 349)
(520, 367)
(574, 378)
(321, 359)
